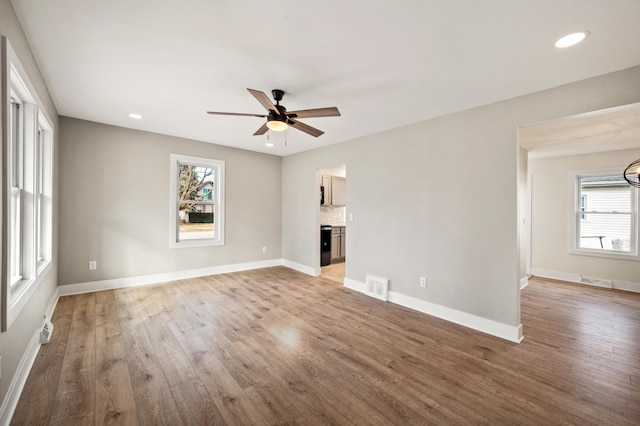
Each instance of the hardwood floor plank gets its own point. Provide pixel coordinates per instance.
(75, 397)
(274, 346)
(115, 398)
(46, 370)
(194, 404)
(153, 399)
(226, 393)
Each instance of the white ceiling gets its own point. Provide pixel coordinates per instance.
(612, 129)
(384, 64)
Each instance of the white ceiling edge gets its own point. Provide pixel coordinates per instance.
(609, 129)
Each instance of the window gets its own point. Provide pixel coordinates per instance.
(604, 215)
(26, 191)
(43, 192)
(15, 204)
(197, 197)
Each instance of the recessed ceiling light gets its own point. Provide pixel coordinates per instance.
(268, 144)
(571, 39)
(135, 116)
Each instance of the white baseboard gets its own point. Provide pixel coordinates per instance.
(314, 272)
(89, 287)
(355, 285)
(494, 328)
(555, 275)
(524, 282)
(578, 279)
(22, 373)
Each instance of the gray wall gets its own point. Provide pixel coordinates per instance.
(439, 198)
(550, 202)
(115, 204)
(14, 342)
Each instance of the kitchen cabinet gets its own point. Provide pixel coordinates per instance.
(338, 244)
(335, 190)
(326, 184)
(338, 191)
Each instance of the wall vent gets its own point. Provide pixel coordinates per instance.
(377, 287)
(45, 333)
(596, 282)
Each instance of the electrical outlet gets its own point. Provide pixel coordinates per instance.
(264, 249)
(93, 265)
(423, 282)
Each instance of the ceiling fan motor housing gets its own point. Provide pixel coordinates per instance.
(277, 94)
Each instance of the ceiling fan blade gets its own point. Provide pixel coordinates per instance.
(236, 113)
(316, 112)
(305, 128)
(264, 100)
(262, 130)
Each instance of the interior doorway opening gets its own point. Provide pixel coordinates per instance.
(333, 229)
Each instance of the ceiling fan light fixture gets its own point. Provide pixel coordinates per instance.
(277, 124)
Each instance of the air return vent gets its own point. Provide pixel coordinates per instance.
(377, 287)
(596, 282)
(45, 333)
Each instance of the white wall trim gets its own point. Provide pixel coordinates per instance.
(485, 325)
(24, 368)
(89, 287)
(578, 279)
(314, 272)
(524, 282)
(554, 275)
(355, 285)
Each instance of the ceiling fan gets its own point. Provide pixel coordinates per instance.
(279, 118)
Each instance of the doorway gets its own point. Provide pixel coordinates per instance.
(552, 154)
(332, 220)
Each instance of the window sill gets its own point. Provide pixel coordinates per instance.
(606, 254)
(195, 243)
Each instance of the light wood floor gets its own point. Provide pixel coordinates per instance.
(334, 272)
(274, 346)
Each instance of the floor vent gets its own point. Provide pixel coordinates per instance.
(596, 282)
(377, 287)
(45, 333)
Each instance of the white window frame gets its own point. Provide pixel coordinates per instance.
(21, 271)
(576, 214)
(218, 201)
(43, 193)
(15, 155)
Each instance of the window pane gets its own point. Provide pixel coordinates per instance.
(605, 213)
(196, 207)
(16, 236)
(605, 194)
(606, 231)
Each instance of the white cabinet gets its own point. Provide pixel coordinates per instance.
(335, 190)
